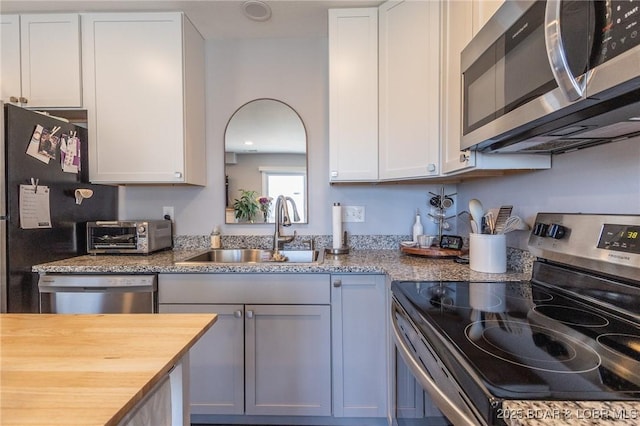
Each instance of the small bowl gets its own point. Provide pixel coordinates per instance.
(408, 243)
(426, 241)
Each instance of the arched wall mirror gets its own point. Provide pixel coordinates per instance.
(265, 156)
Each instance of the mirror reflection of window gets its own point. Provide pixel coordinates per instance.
(288, 183)
(265, 152)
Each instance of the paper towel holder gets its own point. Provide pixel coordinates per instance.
(342, 250)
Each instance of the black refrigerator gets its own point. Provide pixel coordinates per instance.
(43, 153)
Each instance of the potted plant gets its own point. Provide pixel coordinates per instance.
(246, 207)
(265, 206)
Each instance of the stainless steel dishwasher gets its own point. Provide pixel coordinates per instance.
(98, 294)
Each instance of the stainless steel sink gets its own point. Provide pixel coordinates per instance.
(238, 256)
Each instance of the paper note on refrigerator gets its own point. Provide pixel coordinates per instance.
(34, 207)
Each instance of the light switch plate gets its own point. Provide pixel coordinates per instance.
(353, 213)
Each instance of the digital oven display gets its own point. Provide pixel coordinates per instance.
(625, 238)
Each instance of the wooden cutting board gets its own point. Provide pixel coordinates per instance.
(436, 252)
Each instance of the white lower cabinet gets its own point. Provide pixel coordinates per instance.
(359, 339)
(269, 352)
(217, 360)
(288, 360)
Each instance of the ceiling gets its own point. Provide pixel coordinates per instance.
(215, 19)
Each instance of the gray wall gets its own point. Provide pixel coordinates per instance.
(602, 179)
(599, 179)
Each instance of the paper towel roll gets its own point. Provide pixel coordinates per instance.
(337, 225)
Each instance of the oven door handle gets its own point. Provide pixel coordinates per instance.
(572, 88)
(442, 401)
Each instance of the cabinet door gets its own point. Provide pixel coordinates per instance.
(482, 11)
(457, 33)
(359, 344)
(288, 360)
(50, 60)
(353, 94)
(216, 360)
(10, 59)
(134, 75)
(409, 46)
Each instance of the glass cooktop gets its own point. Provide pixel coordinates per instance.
(526, 341)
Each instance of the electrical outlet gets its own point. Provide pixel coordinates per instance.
(168, 211)
(353, 213)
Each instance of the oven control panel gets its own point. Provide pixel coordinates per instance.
(605, 243)
(622, 238)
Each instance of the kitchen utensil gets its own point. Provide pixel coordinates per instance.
(514, 223)
(477, 211)
(490, 220)
(503, 214)
(474, 226)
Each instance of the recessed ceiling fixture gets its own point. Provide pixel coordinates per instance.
(256, 10)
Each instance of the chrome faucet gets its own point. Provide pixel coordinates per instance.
(283, 219)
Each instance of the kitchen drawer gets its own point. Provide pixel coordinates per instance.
(245, 288)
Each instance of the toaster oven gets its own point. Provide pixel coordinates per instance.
(124, 236)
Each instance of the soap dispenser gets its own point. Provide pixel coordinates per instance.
(417, 227)
(216, 242)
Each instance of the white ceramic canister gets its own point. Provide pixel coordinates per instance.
(488, 253)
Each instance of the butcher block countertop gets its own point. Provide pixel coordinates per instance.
(87, 369)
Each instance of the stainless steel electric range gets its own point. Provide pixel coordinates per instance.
(572, 333)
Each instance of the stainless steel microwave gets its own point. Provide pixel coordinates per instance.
(552, 76)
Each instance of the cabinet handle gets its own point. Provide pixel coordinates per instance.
(177, 175)
(238, 314)
(464, 157)
(14, 99)
(337, 283)
(431, 167)
(23, 100)
(249, 314)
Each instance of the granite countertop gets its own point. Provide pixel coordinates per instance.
(397, 265)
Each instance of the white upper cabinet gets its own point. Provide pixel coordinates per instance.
(10, 61)
(40, 63)
(353, 94)
(144, 93)
(409, 46)
(482, 11)
(458, 27)
(383, 92)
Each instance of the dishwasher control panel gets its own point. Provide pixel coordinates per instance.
(98, 294)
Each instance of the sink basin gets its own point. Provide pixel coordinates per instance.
(238, 256)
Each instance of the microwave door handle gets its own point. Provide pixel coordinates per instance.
(572, 88)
